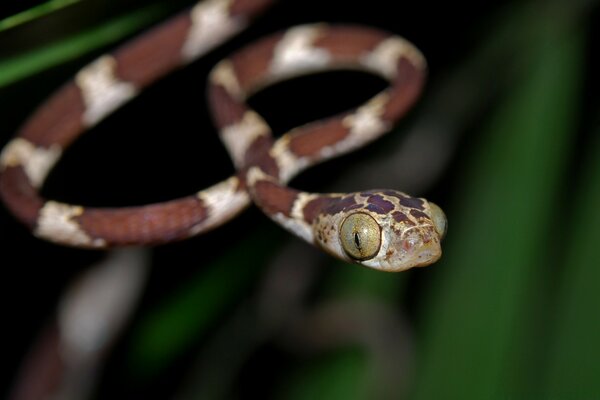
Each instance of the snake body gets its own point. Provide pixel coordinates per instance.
(382, 229)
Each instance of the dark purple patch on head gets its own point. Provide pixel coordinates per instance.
(412, 202)
(401, 217)
(378, 204)
(340, 204)
(418, 214)
(395, 194)
(354, 207)
(368, 193)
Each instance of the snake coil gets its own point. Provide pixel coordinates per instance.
(382, 229)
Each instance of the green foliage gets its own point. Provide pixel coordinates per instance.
(572, 362)
(483, 296)
(335, 376)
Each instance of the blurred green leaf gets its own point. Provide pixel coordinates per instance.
(164, 333)
(484, 289)
(340, 375)
(34, 12)
(13, 69)
(574, 357)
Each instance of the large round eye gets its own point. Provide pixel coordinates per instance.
(360, 236)
(439, 220)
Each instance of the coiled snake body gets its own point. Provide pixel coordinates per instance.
(382, 229)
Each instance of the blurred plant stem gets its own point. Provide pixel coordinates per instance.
(34, 13)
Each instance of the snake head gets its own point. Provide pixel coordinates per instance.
(385, 230)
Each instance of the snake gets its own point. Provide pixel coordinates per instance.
(383, 229)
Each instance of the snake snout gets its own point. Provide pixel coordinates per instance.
(416, 247)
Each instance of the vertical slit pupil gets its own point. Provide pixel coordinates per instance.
(357, 240)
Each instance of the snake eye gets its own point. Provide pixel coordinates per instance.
(439, 220)
(360, 236)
